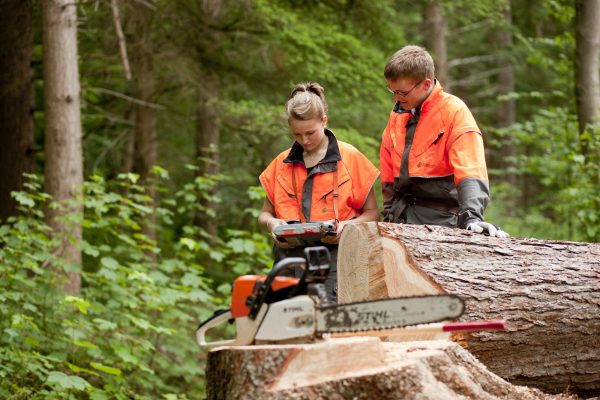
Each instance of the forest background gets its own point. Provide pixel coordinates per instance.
(133, 133)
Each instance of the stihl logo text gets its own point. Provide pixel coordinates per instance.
(293, 309)
(375, 317)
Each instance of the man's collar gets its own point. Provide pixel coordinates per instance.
(332, 154)
(437, 89)
(399, 110)
(433, 96)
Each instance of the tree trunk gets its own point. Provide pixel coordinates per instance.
(63, 170)
(587, 51)
(207, 151)
(434, 30)
(16, 100)
(356, 368)
(143, 73)
(207, 126)
(128, 152)
(144, 140)
(546, 290)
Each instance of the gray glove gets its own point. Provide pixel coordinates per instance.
(486, 227)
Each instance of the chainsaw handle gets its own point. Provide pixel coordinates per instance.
(217, 319)
(282, 265)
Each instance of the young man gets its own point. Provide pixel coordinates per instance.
(432, 160)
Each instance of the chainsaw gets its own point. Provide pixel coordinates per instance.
(282, 309)
(296, 234)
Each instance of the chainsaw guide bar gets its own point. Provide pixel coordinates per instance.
(388, 314)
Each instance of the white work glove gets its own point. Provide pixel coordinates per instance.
(486, 227)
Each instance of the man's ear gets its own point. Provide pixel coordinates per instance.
(428, 83)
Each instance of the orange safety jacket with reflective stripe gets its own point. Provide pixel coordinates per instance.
(355, 178)
(445, 157)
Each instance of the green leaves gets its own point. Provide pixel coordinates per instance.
(128, 333)
(106, 369)
(23, 199)
(81, 304)
(63, 381)
(563, 179)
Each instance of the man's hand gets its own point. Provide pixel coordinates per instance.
(486, 227)
(272, 223)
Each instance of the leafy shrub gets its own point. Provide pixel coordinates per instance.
(129, 333)
(560, 172)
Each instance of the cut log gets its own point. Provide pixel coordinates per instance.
(548, 291)
(356, 368)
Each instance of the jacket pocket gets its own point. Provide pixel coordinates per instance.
(430, 160)
(329, 192)
(431, 142)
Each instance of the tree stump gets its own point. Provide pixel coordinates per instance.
(356, 368)
(548, 291)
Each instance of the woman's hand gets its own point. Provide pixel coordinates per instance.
(335, 239)
(273, 223)
(369, 212)
(269, 222)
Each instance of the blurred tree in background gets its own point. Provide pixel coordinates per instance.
(182, 108)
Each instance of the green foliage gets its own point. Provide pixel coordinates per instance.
(129, 333)
(366, 144)
(341, 45)
(564, 179)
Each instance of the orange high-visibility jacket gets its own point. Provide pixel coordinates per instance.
(446, 161)
(355, 173)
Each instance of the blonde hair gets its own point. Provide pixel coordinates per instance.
(307, 101)
(410, 62)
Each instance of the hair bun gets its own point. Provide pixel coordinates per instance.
(313, 98)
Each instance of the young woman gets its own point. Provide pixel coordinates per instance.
(301, 181)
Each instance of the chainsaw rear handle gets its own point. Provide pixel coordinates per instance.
(218, 318)
(318, 259)
(259, 299)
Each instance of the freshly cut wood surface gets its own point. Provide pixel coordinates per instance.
(356, 368)
(548, 291)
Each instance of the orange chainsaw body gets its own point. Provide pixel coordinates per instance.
(246, 285)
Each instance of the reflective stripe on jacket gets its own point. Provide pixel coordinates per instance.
(446, 161)
(356, 176)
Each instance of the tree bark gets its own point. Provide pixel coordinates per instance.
(434, 30)
(587, 51)
(356, 368)
(144, 140)
(546, 290)
(63, 170)
(141, 17)
(16, 100)
(207, 126)
(207, 151)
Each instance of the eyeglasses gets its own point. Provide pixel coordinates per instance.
(404, 94)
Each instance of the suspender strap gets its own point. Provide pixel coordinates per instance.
(336, 195)
(295, 187)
